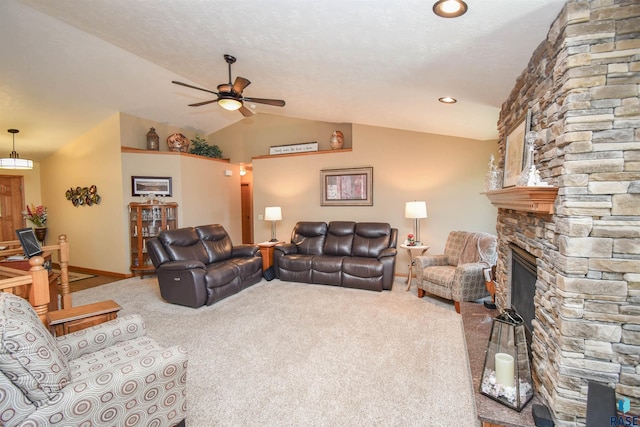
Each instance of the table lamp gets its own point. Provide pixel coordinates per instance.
(273, 214)
(416, 211)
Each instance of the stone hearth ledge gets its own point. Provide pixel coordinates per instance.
(476, 322)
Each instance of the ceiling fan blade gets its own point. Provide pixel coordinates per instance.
(240, 84)
(245, 111)
(193, 87)
(274, 102)
(198, 104)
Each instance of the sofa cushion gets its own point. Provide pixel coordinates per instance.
(309, 237)
(371, 238)
(106, 359)
(184, 244)
(339, 240)
(29, 355)
(216, 242)
(14, 405)
(441, 275)
(221, 274)
(454, 245)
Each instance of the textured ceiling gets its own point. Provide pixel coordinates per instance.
(69, 64)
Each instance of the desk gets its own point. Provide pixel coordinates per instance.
(412, 261)
(266, 250)
(23, 264)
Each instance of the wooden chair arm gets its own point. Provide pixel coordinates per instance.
(62, 322)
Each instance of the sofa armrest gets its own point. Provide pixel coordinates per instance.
(287, 248)
(182, 265)
(100, 336)
(388, 252)
(245, 250)
(424, 261)
(471, 276)
(161, 373)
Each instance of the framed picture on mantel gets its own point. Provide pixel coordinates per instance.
(514, 151)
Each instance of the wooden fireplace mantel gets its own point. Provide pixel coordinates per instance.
(528, 199)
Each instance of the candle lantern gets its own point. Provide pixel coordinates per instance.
(153, 140)
(506, 376)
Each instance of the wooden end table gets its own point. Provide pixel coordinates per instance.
(68, 320)
(266, 249)
(412, 260)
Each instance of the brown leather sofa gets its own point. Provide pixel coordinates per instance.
(200, 265)
(342, 253)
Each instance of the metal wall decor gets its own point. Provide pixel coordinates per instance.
(83, 196)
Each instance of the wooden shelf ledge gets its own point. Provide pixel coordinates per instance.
(527, 199)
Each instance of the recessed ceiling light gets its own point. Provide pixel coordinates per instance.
(447, 100)
(450, 8)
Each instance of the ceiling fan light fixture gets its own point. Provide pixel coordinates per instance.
(14, 161)
(447, 100)
(229, 104)
(450, 8)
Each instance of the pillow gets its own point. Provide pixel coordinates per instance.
(29, 355)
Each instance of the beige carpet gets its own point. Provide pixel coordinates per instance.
(290, 354)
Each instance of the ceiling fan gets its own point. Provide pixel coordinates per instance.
(230, 95)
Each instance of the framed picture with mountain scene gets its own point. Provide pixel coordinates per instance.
(146, 185)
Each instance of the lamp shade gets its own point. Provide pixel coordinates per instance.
(229, 104)
(415, 210)
(272, 213)
(14, 161)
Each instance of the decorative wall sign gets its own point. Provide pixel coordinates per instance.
(347, 187)
(146, 185)
(293, 148)
(83, 196)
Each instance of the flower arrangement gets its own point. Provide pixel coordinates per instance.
(36, 214)
(411, 241)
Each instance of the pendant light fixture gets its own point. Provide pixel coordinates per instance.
(14, 161)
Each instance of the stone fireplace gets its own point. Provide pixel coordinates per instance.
(582, 87)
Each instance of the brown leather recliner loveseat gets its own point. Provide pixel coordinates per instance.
(200, 265)
(342, 253)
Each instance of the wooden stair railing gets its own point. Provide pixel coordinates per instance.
(33, 284)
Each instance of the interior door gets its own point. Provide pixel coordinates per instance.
(246, 212)
(11, 206)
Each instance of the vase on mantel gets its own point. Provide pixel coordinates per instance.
(337, 140)
(41, 233)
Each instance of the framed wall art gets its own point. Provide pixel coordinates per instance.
(514, 151)
(145, 185)
(347, 187)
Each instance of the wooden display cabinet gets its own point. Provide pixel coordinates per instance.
(147, 220)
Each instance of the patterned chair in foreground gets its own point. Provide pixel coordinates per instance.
(458, 274)
(111, 374)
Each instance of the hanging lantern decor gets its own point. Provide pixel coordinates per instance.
(506, 376)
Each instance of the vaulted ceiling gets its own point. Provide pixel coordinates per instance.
(69, 64)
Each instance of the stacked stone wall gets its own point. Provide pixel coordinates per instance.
(582, 86)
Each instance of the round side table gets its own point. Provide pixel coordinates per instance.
(412, 261)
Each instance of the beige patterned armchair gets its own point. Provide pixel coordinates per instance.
(458, 273)
(111, 374)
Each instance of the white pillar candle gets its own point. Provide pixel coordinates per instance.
(504, 369)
